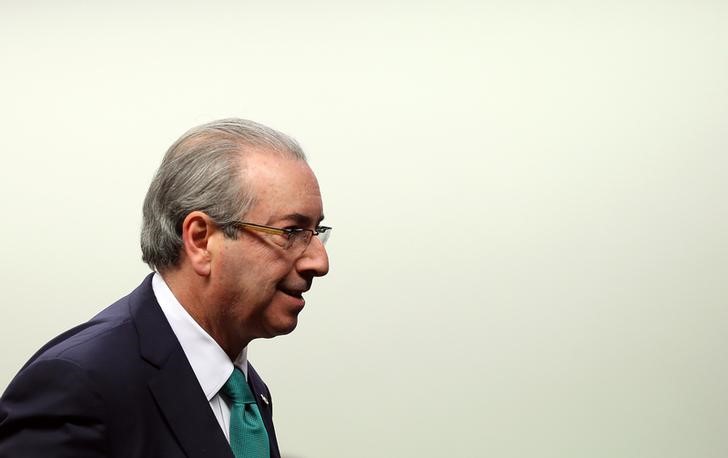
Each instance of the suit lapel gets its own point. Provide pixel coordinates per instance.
(174, 386)
(265, 405)
(184, 406)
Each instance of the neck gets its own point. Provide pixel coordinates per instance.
(199, 300)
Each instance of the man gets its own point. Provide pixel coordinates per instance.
(232, 229)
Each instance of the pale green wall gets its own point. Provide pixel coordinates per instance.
(529, 201)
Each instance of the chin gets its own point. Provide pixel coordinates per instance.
(283, 327)
(288, 329)
(282, 316)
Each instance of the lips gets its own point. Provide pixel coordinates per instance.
(295, 292)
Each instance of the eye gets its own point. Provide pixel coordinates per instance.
(292, 231)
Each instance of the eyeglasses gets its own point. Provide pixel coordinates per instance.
(289, 238)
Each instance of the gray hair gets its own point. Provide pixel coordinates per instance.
(202, 171)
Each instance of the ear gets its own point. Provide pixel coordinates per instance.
(197, 228)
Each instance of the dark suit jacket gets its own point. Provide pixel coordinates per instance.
(117, 386)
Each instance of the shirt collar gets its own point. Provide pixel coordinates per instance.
(209, 362)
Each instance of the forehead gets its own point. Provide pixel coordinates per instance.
(282, 187)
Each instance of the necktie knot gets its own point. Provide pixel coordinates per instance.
(237, 390)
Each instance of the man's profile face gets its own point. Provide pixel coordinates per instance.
(262, 282)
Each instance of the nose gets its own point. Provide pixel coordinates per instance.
(314, 261)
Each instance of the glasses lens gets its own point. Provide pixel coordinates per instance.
(323, 234)
(299, 239)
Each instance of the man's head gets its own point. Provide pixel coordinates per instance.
(207, 227)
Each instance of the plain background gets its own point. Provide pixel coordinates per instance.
(529, 201)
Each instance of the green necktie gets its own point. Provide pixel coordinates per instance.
(248, 437)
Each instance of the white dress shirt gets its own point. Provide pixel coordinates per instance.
(210, 363)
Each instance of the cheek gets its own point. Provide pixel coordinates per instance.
(255, 268)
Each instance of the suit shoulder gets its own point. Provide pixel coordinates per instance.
(108, 343)
(85, 337)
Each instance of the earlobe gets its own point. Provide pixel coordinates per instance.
(196, 230)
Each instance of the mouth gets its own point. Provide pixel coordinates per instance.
(297, 293)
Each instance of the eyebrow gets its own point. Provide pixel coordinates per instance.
(301, 219)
